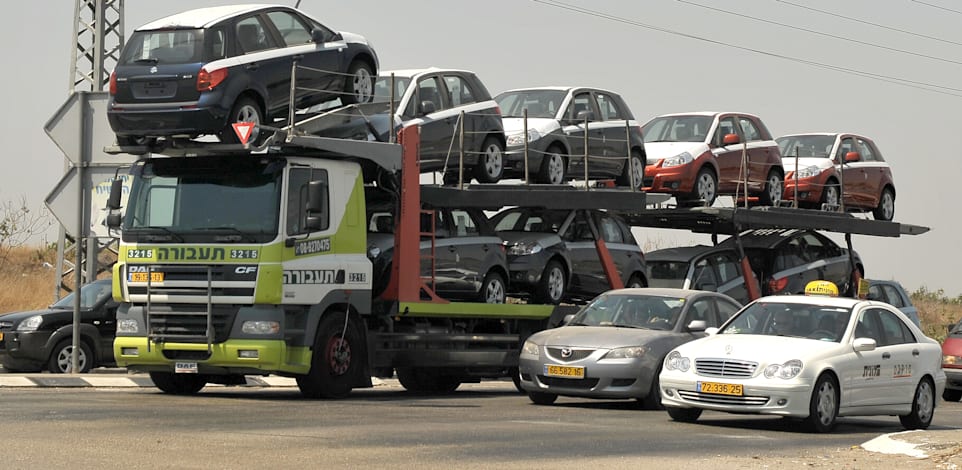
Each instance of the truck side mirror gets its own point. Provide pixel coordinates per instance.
(113, 221)
(316, 205)
(116, 191)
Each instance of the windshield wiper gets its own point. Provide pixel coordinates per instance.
(148, 60)
(235, 236)
(169, 234)
(625, 325)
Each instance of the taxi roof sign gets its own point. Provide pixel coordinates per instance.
(821, 288)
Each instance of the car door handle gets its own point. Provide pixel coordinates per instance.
(452, 249)
(252, 66)
(915, 352)
(886, 355)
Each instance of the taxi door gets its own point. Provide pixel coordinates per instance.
(904, 354)
(868, 374)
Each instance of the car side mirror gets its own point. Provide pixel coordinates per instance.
(864, 344)
(711, 331)
(585, 114)
(567, 319)
(697, 325)
(730, 139)
(852, 157)
(428, 107)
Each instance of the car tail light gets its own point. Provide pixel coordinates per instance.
(113, 83)
(497, 109)
(777, 285)
(206, 81)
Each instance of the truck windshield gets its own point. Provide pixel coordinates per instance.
(197, 200)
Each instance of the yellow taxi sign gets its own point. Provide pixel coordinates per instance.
(821, 288)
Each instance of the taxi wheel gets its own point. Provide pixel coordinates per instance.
(540, 398)
(685, 415)
(178, 384)
(952, 395)
(923, 406)
(823, 408)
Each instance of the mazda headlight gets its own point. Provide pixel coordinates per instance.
(31, 323)
(788, 370)
(631, 352)
(675, 361)
(530, 349)
(524, 248)
(809, 171)
(678, 160)
(518, 139)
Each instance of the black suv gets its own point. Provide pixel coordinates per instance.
(552, 254)
(33, 341)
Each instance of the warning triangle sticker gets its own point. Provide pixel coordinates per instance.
(243, 131)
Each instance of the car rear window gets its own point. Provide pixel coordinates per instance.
(667, 273)
(172, 46)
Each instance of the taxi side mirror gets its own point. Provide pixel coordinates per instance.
(864, 344)
(697, 325)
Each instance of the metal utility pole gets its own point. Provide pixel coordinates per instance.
(98, 36)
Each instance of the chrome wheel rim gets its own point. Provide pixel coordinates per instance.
(556, 169)
(925, 397)
(339, 354)
(775, 187)
(494, 292)
(706, 188)
(65, 359)
(363, 85)
(888, 205)
(249, 113)
(556, 284)
(638, 171)
(825, 405)
(831, 195)
(493, 161)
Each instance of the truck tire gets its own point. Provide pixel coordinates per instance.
(336, 361)
(178, 384)
(61, 358)
(421, 380)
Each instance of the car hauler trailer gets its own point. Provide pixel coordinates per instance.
(234, 264)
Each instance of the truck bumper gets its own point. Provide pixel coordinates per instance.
(240, 356)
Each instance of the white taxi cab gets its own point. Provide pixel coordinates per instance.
(815, 357)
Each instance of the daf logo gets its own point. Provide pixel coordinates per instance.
(728, 349)
(566, 352)
(245, 269)
(153, 69)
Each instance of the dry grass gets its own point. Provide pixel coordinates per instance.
(27, 284)
(936, 315)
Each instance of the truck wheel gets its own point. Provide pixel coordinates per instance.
(359, 84)
(492, 289)
(490, 166)
(178, 384)
(61, 359)
(336, 359)
(553, 163)
(420, 380)
(636, 164)
(244, 110)
(552, 287)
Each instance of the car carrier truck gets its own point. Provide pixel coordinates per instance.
(234, 263)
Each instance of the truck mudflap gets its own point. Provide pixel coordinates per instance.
(230, 357)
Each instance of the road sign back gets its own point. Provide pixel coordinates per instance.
(243, 130)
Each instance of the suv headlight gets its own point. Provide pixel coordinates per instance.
(530, 349)
(809, 171)
(31, 323)
(523, 248)
(518, 139)
(678, 160)
(675, 361)
(631, 352)
(788, 370)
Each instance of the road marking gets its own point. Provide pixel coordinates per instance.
(885, 444)
(16, 382)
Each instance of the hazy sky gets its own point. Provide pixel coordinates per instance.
(663, 56)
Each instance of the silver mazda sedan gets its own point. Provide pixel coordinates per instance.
(614, 347)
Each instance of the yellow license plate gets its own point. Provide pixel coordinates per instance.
(721, 389)
(142, 277)
(568, 372)
(1, 336)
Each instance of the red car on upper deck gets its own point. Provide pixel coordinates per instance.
(697, 156)
(830, 164)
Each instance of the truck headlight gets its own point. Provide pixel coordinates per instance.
(261, 327)
(31, 323)
(530, 349)
(631, 352)
(678, 160)
(127, 325)
(788, 370)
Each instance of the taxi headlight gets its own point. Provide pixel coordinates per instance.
(786, 371)
(261, 327)
(127, 325)
(675, 361)
(631, 352)
(530, 349)
(951, 360)
(678, 160)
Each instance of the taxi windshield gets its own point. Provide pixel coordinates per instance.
(802, 320)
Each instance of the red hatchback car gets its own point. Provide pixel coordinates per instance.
(697, 156)
(829, 164)
(952, 364)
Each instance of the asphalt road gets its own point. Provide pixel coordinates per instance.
(484, 425)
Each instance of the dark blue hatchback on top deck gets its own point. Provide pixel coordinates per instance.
(197, 72)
